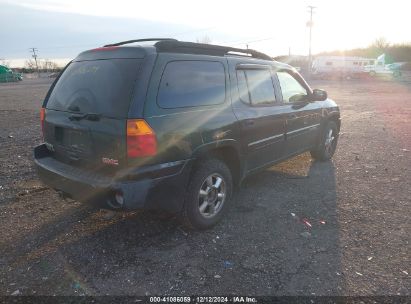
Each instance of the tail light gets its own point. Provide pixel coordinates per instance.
(141, 139)
(42, 118)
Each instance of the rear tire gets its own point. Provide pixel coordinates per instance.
(328, 143)
(208, 194)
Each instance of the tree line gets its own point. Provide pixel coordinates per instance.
(395, 52)
(44, 66)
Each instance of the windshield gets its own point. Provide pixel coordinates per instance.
(101, 86)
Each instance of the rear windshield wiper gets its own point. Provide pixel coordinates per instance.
(88, 116)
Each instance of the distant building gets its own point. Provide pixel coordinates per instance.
(340, 65)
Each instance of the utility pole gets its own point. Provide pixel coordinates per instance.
(34, 50)
(310, 25)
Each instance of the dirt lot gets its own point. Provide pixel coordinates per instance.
(358, 206)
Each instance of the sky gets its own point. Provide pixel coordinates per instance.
(62, 29)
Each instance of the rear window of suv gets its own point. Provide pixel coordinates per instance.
(100, 86)
(191, 84)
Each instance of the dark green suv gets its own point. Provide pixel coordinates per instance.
(176, 125)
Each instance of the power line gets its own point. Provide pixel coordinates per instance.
(246, 43)
(194, 31)
(78, 46)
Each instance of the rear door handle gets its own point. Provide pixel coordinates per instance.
(292, 116)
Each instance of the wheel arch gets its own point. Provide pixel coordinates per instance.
(226, 151)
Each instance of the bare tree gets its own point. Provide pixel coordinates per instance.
(54, 66)
(48, 65)
(381, 43)
(43, 65)
(30, 64)
(5, 62)
(205, 39)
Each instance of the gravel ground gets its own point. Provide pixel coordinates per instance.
(358, 207)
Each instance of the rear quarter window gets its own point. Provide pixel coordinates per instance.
(192, 84)
(99, 86)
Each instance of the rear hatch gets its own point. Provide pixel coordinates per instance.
(86, 113)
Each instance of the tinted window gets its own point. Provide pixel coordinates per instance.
(290, 87)
(242, 86)
(100, 86)
(256, 86)
(192, 83)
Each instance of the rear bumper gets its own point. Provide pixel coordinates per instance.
(159, 186)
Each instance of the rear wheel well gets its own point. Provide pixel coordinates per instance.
(229, 156)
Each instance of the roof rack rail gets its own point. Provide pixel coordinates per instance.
(139, 40)
(175, 46)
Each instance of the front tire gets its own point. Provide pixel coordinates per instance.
(328, 143)
(397, 74)
(208, 194)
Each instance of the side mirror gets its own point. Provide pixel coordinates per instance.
(319, 95)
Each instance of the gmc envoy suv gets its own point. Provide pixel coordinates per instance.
(161, 123)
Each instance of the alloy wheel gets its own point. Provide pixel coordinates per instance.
(212, 195)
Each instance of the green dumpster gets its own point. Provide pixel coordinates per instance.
(7, 75)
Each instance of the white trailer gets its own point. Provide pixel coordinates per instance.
(340, 65)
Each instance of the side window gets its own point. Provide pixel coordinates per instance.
(255, 86)
(292, 90)
(243, 87)
(191, 84)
